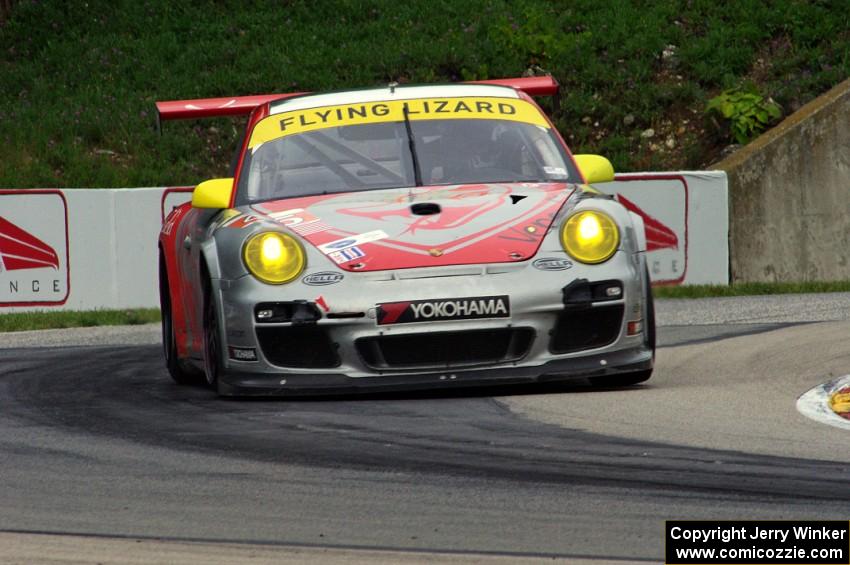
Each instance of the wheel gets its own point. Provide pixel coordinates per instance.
(628, 379)
(176, 369)
(212, 338)
(650, 318)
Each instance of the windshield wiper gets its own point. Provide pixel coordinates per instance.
(417, 173)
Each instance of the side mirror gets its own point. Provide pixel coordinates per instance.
(595, 168)
(215, 193)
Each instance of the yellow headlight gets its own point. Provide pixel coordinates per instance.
(590, 236)
(274, 258)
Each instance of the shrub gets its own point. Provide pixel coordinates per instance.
(746, 112)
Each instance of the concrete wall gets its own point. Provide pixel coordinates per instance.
(789, 197)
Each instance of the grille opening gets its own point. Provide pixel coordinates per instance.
(345, 315)
(446, 349)
(304, 347)
(586, 328)
(582, 293)
(297, 312)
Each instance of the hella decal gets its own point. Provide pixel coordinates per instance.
(552, 264)
(440, 309)
(323, 279)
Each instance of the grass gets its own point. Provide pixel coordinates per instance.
(749, 289)
(57, 320)
(79, 79)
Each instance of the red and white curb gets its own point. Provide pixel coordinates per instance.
(828, 403)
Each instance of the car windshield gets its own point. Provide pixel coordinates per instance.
(367, 156)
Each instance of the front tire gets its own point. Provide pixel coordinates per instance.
(212, 338)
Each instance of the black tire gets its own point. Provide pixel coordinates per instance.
(212, 337)
(649, 333)
(629, 379)
(176, 368)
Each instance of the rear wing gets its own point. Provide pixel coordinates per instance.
(533, 86)
(244, 105)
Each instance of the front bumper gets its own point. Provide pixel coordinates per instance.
(537, 305)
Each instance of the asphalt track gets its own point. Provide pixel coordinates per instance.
(98, 448)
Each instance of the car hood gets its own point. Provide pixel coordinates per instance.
(434, 226)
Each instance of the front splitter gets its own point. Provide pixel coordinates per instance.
(297, 384)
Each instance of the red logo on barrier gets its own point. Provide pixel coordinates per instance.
(658, 236)
(22, 250)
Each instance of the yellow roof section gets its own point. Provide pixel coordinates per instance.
(467, 107)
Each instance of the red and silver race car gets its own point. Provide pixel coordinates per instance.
(403, 237)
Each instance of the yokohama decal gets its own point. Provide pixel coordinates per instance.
(441, 309)
(33, 248)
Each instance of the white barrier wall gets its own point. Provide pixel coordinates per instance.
(104, 241)
(84, 249)
(687, 223)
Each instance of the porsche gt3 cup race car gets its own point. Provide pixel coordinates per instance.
(400, 238)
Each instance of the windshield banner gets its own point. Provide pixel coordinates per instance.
(300, 121)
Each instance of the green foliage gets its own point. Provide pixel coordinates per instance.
(75, 319)
(79, 79)
(747, 112)
(749, 289)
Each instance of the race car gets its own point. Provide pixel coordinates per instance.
(402, 237)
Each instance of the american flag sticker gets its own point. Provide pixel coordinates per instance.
(346, 255)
